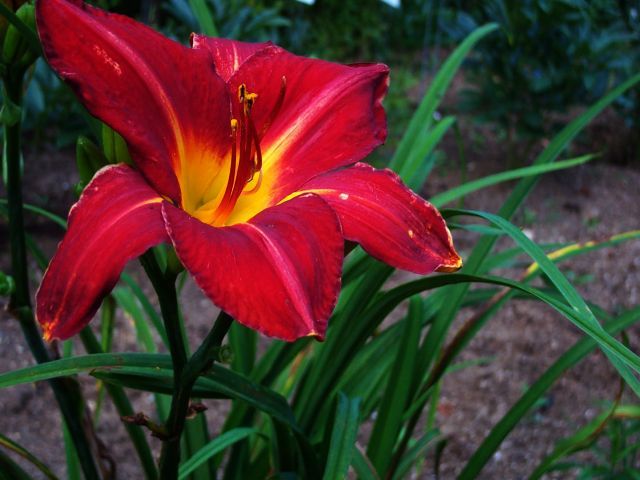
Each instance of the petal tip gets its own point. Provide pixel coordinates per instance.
(47, 333)
(452, 266)
(316, 336)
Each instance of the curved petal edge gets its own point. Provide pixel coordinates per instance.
(117, 218)
(392, 223)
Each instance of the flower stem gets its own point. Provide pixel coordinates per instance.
(201, 361)
(165, 287)
(66, 391)
(185, 373)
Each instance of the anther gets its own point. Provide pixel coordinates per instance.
(276, 108)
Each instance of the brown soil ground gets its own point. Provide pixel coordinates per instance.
(590, 202)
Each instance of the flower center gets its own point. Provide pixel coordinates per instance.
(246, 155)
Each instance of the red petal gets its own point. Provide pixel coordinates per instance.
(331, 115)
(278, 274)
(391, 222)
(163, 98)
(117, 218)
(228, 55)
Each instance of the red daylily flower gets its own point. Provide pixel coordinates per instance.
(245, 161)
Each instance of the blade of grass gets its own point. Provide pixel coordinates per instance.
(421, 120)
(220, 382)
(415, 452)
(73, 463)
(461, 191)
(343, 438)
(82, 363)
(9, 444)
(149, 309)
(61, 222)
(243, 342)
(25, 30)
(390, 413)
(620, 356)
(205, 18)
(212, 448)
(413, 172)
(362, 465)
(10, 470)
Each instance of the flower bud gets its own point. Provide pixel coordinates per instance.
(10, 113)
(7, 285)
(225, 354)
(114, 146)
(12, 5)
(15, 48)
(89, 159)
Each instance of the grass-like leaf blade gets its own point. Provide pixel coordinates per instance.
(343, 438)
(212, 448)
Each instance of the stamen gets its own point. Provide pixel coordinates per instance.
(246, 154)
(276, 108)
(257, 166)
(224, 204)
(257, 185)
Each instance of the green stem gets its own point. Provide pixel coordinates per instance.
(165, 287)
(66, 392)
(201, 361)
(185, 373)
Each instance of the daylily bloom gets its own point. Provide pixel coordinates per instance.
(245, 161)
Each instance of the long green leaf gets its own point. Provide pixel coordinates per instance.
(414, 453)
(204, 17)
(421, 120)
(212, 448)
(73, 463)
(219, 382)
(243, 342)
(422, 147)
(343, 438)
(10, 470)
(619, 355)
(475, 185)
(25, 30)
(362, 466)
(390, 414)
(27, 455)
(149, 309)
(70, 366)
(61, 222)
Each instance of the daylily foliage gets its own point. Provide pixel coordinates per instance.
(246, 162)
